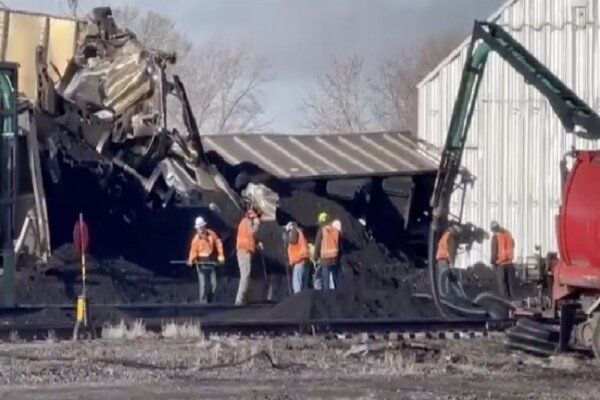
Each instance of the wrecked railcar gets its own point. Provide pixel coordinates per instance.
(98, 141)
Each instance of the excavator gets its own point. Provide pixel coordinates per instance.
(571, 279)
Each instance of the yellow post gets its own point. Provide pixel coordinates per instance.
(81, 305)
(82, 299)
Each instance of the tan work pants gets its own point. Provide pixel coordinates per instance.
(244, 259)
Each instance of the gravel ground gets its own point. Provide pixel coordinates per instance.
(295, 368)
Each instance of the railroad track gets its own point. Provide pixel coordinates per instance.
(338, 328)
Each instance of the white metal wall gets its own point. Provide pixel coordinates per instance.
(516, 142)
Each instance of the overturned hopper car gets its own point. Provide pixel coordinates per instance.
(95, 138)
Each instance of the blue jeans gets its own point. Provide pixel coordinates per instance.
(335, 272)
(207, 284)
(299, 277)
(328, 277)
(318, 278)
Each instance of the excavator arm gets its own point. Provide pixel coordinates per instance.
(572, 111)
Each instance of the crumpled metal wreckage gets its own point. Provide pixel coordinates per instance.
(108, 110)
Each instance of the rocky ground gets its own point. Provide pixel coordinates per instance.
(294, 368)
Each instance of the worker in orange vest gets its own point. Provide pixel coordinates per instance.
(298, 256)
(502, 258)
(246, 247)
(327, 251)
(445, 257)
(205, 249)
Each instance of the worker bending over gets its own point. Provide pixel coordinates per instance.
(445, 257)
(503, 254)
(205, 249)
(246, 248)
(327, 252)
(298, 256)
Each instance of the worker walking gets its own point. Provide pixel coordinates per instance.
(298, 256)
(327, 252)
(502, 258)
(246, 247)
(205, 250)
(445, 258)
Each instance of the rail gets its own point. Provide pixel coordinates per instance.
(400, 328)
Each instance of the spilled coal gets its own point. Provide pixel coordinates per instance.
(374, 283)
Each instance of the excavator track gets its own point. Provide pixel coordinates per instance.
(533, 337)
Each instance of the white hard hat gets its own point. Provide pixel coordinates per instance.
(199, 223)
(337, 225)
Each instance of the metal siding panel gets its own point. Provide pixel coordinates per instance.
(24, 35)
(62, 39)
(519, 141)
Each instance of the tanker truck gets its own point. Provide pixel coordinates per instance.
(569, 280)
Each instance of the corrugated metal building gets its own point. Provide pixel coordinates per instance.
(516, 142)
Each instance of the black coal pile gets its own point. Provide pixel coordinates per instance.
(374, 284)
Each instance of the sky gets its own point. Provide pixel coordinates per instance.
(300, 38)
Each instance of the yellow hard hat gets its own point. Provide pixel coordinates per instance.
(323, 217)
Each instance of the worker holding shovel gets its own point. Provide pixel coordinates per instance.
(206, 250)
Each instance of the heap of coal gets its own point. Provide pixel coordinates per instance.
(374, 283)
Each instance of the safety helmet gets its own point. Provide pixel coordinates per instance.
(199, 223)
(337, 225)
(323, 217)
(494, 225)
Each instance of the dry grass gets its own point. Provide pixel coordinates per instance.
(187, 330)
(13, 337)
(122, 331)
(51, 337)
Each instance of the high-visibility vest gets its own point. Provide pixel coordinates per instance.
(245, 237)
(330, 243)
(298, 252)
(443, 250)
(203, 246)
(506, 248)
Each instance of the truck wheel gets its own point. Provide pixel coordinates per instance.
(596, 338)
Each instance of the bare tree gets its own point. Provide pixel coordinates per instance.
(154, 30)
(339, 103)
(394, 89)
(223, 81)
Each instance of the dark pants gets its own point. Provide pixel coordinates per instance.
(447, 281)
(503, 278)
(207, 283)
(330, 275)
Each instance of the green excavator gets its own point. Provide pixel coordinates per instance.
(572, 111)
(9, 115)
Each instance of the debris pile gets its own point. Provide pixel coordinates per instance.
(374, 284)
(108, 152)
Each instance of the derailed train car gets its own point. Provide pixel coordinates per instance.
(95, 139)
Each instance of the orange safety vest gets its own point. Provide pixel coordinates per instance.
(330, 243)
(245, 237)
(298, 252)
(443, 251)
(203, 247)
(506, 248)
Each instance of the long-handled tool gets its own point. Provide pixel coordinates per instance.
(266, 275)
